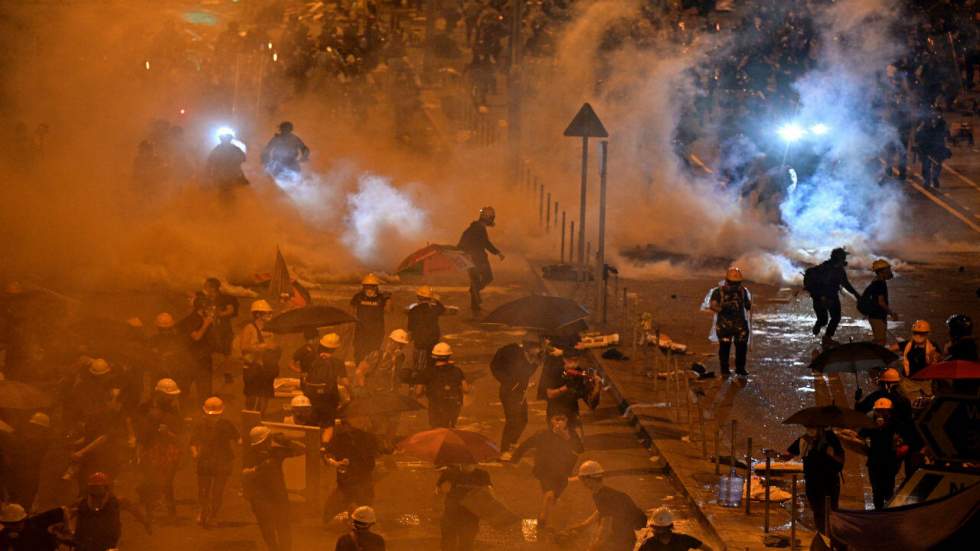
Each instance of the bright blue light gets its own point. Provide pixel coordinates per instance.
(791, 132)
(819, 129)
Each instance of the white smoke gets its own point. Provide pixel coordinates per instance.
(378, 208)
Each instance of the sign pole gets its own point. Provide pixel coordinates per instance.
(601, 250)
(581, 207)
(585, 125)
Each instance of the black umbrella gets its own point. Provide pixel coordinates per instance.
(852, 358)
(830, 416)
(542, 313)
(509, 364)
(17, 395)
(308, 317)
(385, 404)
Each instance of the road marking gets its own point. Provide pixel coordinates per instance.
(962, 177)
(943, 204)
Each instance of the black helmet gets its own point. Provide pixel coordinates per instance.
(838, 254)
(960, 325)
(285, 127)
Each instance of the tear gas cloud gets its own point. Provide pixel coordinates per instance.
(377, 209)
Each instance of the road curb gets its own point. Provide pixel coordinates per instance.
(643, 434)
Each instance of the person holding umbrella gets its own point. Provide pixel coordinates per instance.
(512, 365)
(823, 461)
(260, 354)
(443, 384)
(303, 356)
(369, 305)
(459, 525)
(885, 451)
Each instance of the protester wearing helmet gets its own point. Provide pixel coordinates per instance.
(360, 537)
(443, 384)
(213, 440)
(369, 305)
(823, 461)
(616, 513)
(962, 345)
(264, 485)
(874, 303)
(379, 375)
(664, 538)
(23, 456)
(197, 329)
(159, 427)
(886, 449)
(284, 153)
(321, 384)
(300, 411)
(824, 283)
(260, 358)
(21, 532)
(732, 304)
(476, 243)
(423, 324)
(97, 521)
(919, 352)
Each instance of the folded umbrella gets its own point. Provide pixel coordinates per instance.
(830, 416)
(542, 313)
(379, 405)
(435, 258)
(952, 369)
(852, 358)
(309, 317)
(449, 446)
(17, 395)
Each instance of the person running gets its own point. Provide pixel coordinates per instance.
(476, 243)
(823, 461)
(564, 389)
(360, 537)
(513, 365)
(557, 453)
(211, 443)
(732, 303)
(616, 513)
(321, 384)
(873, 302)
(824, 283)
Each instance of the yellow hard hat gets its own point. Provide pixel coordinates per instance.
(399, 335)
(168, 387)
(259, 434)
(890, 375)
(41, 419)
(98, 366)
(164, 320)
(214, 406)
(921, 326)
(880, 264)
(261, 306)
(883, 403)
(733, 274)
(425, 292)
(330, 340)
(134, 322)
(371, 279)
(442, 350)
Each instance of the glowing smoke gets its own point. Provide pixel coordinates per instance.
(376, 209)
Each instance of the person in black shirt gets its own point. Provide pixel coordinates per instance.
(731, 304)
(224, 165)
(825, 292)
(961, 345)
(617, 514)
(320, 383)
(565, 390)
(459, 525)
(96, 516)
(554, 461)
(512, 365)
(28, 533)
(885, 451)
(823, 461)
(25, 450)
(303, 356)
(444, 385)
(352, 452)
(919, 352)
(159, 429)
(423, 324)
(196, 329)
(361, 538)
(225, 309)
(212, 438)
(875, 299)
(264, 484)
(369, 306)
(664, 538)
(475, 243)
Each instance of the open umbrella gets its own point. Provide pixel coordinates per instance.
(539, 313)
(17, 395)
(952, 369)
(386, 404)
(435, 258)
(852, 358)
(830, 416)
(449, 446)
(309, 317)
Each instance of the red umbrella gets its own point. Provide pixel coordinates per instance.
(953, 369)
(435, 258)
(450, 446)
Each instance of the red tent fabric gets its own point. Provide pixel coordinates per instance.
(435, 258)
(953, 369)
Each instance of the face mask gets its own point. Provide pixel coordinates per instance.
(918, 339)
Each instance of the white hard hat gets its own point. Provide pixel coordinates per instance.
(40, 419)
(590, 469)
(164, 320)
(259, 434)
(260, 306)
(364, 515)
(12, 512)
(168, 387)
(98, 366)
(442, 350)
(214, 406)
(330, 340)
(300, 401)
(662, 518)
(399, 335)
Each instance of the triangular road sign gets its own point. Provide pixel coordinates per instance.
(586, 124)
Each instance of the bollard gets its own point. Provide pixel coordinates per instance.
(556, 211)
(571, 242)
(792, 518)
(748, 477)
(732, 457)
(540, 204)
(717, 449)
(765, 526)
(547, 214)
(562, 248)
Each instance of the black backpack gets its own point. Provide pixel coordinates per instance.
(816, 280)
(865, 304)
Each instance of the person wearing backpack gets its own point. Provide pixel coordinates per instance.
(260, 356)
(321, 383)
(874, 302)
(731, 302)
(824, 282)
